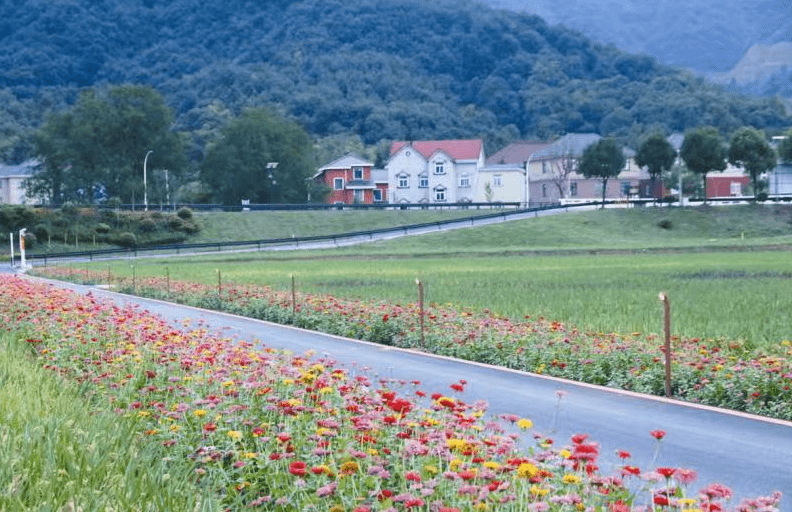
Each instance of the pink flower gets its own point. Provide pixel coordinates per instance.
(658, 434)
(685, 476)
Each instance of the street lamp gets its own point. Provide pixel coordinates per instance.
(145, 187)
(528, 180)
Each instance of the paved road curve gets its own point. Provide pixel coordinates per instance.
(751, 455)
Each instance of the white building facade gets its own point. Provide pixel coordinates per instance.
(434, 172)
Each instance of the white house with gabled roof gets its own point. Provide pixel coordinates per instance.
(434, 171)
(13, 181)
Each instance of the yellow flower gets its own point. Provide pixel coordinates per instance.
(288, 381)
(455, 444)
(325, 390)
(491, 464)
(525, 423)
(199, 413)
(236, 435)
(538, 491)
(250, 455)
(572, 479)
(349, 467)
(336, 508)
(455, 463)
(527, 470)
(431, 469)
(175, 428)
(143, 414)
(565, 453)
(373, 452)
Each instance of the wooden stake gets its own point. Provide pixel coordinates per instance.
(667, 329)
(421, 309)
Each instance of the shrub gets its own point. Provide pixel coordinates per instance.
(665, 224)
(15, 217)
(761, 197)
(42, 232)
(670, 199)
(126, 240)
(102, 228)
(30, 240)
(185, 213)
(148, 225)
(175, 223)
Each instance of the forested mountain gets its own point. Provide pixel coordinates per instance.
(706, 35)
(378, 69)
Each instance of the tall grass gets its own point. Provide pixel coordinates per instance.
(61, 452)
(737, 295)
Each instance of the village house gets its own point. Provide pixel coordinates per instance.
(504, 179)
(353, 180)
(13, 182)
(552, 176)
(435, 171)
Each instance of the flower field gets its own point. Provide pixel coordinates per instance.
(711, 371)
(269, 430)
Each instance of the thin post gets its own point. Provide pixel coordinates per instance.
(11, 236)
(133, 277)
(421, 309)
(167, 279)
(219, 282)
(667, 329)
(294, 296)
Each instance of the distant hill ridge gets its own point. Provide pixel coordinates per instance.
(760, 62)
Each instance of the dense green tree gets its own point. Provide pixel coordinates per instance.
(657, 154)
(99, 145)
(379, 69)
(750, 150)
(237, 164)
(785, 148)
(703, 151)
(604, 160)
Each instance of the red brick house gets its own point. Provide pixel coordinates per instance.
(352, 180)
(729, 183)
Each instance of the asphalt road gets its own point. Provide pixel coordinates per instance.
(751, 455)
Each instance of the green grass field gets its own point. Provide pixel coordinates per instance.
(741, 290)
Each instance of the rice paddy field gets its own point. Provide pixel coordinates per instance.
(721, 282)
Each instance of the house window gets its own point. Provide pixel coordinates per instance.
(423, 181)
(404, 181)
(544, 190)
(439, 168)
(625, 188)
(440, 194)
(357, 173)
(735, 189)
(359, 196)
(497, 180)
(377, 194)
(544, 167)
(338, 183)
(464, 180)
(573, 189)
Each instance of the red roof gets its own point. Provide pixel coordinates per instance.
(456, 149)
(517, 152)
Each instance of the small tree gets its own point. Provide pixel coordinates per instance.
(658, 155)
(703, 152)
(603, 160)
(752, 152)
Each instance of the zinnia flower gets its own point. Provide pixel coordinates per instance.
(297, 468)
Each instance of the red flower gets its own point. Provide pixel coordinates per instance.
(210, 427)
(658, 434)
(412, 476)
(384, 495)
(666, 472)
(283, 437)
(579, 438)
(297, 468)
(624, 454)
